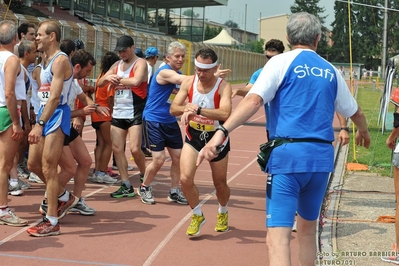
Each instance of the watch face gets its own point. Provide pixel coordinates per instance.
(41, 122)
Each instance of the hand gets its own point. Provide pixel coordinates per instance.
(35, 134)
(343, 137)
(363, 138)
(234, 93)
(77, 123)
(186, 117)
(209, 152)
(222, 73)
(102, 111)
(18, 132)
(114, 79)
(89, 109)
(391, 142)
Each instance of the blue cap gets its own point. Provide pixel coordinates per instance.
(138, 52)
(151, 52)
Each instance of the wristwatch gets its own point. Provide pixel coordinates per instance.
(41, 123)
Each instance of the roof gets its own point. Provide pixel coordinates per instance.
(178, 3)
(223, 38)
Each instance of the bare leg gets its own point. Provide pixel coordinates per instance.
(158, 159)
(175, 167)
(278, 245)
(135, 136)
(219, 176)
(118, 137)
(187, 170)
(307, 241)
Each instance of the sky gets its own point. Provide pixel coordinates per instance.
(235, 11)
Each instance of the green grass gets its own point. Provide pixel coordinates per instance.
(378, 156)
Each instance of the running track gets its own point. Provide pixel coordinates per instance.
(127, 232)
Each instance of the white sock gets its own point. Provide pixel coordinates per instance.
(173, 190)
(13, 181)
(197, 210)
(53, 220)
(4, 210)
(222, 209)
(64, 196)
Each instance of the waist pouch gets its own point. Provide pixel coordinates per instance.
(267, 148)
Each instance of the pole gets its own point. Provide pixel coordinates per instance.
(384, 41)
(260, 25)
(245, 27)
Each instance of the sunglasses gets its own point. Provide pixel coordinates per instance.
(269, 56)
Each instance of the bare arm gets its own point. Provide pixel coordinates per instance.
(140, 75)
(11, 71)
(224, 110)
(362, 134)
(110, 76)
(178, 106)
(343, 134)
(391, 140)
(170, 76)
(242, 91)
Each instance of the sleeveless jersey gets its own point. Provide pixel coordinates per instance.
(160, 98)
(101, 98)
(35, 88)
(19, 85)
(126, 98)
(209, 100)
(46, 77)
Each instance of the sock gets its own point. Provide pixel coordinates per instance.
(4, 210)
(96, 172)
(127, 183)
(13, 181)
(197, 210)
(222, 209)
(64, 196)
(53, 220)
(173, 190)
(101, 173)
(45, 194)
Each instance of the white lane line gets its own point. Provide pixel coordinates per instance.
(163, 243)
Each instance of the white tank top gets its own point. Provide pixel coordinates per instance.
(35, 99)
(46, 77)
(208, 100)
(123, 98)
(20, 83)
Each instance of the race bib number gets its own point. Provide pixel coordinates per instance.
(172, 96)
(123, 94)
(44, 93)
(202, 123)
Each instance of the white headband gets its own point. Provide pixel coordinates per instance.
(204, 66)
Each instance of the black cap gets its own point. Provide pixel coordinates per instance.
(138, 52)
(123, 43)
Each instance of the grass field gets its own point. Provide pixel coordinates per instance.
(378, 156)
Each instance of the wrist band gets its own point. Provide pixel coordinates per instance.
(199, 110)
(224, 130)
(345, 128)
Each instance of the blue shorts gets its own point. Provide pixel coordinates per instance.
(160, 135)
(290, 193)
(61, 118)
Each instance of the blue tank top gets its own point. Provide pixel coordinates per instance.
(159, 99)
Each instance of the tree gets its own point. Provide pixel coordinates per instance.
(211, 32)
(231, 24)
(311, 7)
(256, 46)
(189, 13)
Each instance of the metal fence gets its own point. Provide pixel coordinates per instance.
(100, 39)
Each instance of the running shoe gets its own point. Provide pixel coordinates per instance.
(64, 206)
(23, 184)
(197, 221)
(9, 218)
(394, 258)
(146, 195)
(23, 172)
(223, 222)
(34, 178)
(44, 228)
(123, 191)
(14, 190)
(43, 207)
(110, 173)
(98, 178)
(82, 208)
(177, 197)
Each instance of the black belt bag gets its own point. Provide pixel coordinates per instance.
(266, 148)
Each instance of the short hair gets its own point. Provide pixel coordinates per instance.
(8, 30)
(275, 45)
(174, 46)
(52, 26)
(25, 46)
(23, 28)
(303, 28)
(67, 46)
(83, 58)
(107, 61)
(206, 53)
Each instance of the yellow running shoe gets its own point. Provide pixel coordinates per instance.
(197, 221)
(223, 222)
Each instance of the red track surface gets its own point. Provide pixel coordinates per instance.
(127, 232)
